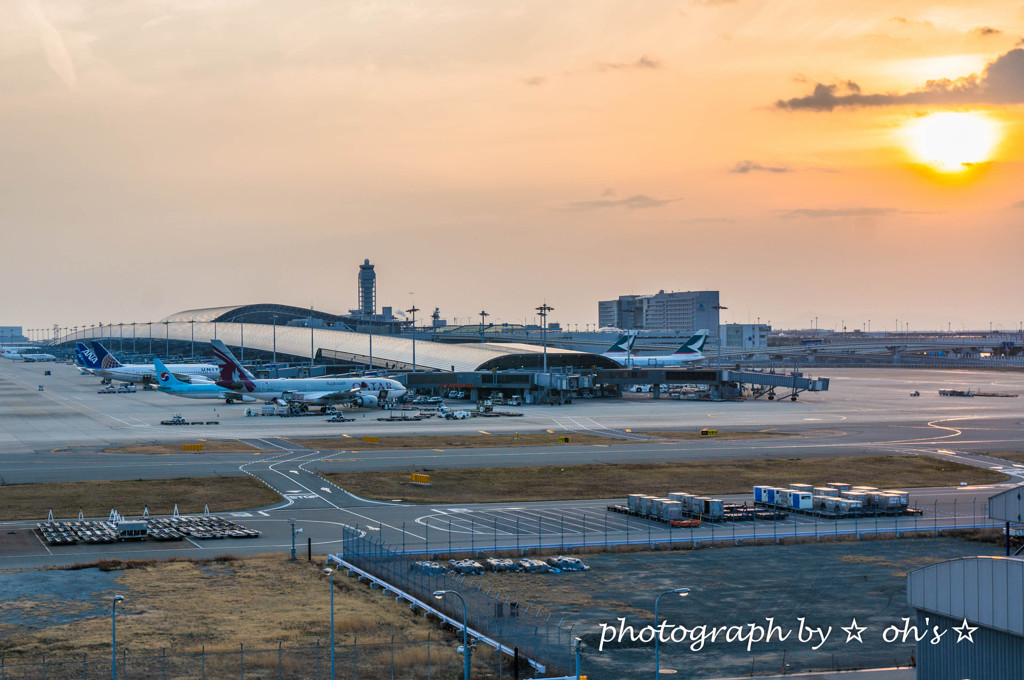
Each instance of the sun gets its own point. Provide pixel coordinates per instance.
(951, 142)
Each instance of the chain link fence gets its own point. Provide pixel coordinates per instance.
(534, 631)
(428, 659)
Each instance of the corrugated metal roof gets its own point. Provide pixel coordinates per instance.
(1008, 505)
(985, 590)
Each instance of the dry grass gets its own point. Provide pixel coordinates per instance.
(209, 446)
(95, 499)
(607, 481)
(1016, 456)
(183, 605)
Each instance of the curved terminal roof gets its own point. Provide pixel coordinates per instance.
(261, 312)
(388, 351)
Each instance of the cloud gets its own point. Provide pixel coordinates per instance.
(712, 3)
(837, 212)
(744, 167)
(1018, 204)
(535, 81)
(986, 31)
(702, 221)
(1002, 82)
(53, 44)
(641, 64)
(903, 21)
(635, 202)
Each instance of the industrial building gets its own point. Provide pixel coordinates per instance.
(9, 334)
(744, 335)
(681, 312)
(979, 601)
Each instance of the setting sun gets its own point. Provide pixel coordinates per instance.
(951, 142)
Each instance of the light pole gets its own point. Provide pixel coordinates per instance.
(241, 336)
(150, 324)
(120, 337)
(192, 325)
(294, 531)
(167, 338)
(483, 316)
(311, 351)
(330, 573)
(276, 373)
(412, 310)
(439, 594)
(682, 592)
(113, 637)
(543, 312)
(719, 308)
(133, 336)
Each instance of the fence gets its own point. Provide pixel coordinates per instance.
(515, 530)
(398, 660)
(512, 623)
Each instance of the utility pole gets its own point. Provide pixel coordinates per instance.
(542, 311)
(483, 316)
(412, 310)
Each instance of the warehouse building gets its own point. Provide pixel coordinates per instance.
(681, 312)
(979, 601)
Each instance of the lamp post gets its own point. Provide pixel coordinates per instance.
(120, 337)
(719, 308)
(113, 637)
(682, 592)
(276, 373)
(311, 350)
(133, 336)
(330, 574)
(483, 316)
(192, 325)
(412, 310)
(150, 324)
(439, 594)
(294, 531)
(167, 338)
(543, 312)
(241, 336)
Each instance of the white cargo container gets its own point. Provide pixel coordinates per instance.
(826, 491)
(839, 486)
(646, 503)
(819, 502)
(678, 496)
(714, 508)
(671, 510)
(903, 495)
(802, 487)
(802, 500)
(633, 501)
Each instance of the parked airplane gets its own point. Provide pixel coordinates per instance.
(360, 392)
(619, 351)
(167, 383)
(10, 352)
(38, 357)
(102, 363)
(690, 351)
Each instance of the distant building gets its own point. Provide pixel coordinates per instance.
(744, 335)
(681, 312)
(10, 334)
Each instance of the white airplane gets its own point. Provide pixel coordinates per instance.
(38, 357)
(358, 392)
(103, 364)
(690, 351)
(167, 383)
(619, 351)
(10, 352)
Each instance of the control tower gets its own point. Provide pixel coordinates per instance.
(367, 293)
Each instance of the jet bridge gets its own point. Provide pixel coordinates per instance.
(723, 383)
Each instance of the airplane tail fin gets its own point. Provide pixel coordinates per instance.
(107, 360)
(164, 377)
(695, 343)
(623, 345)
(229, 365)
(86, 356)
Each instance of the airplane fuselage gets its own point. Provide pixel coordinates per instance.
(278, 388)
(133, 373)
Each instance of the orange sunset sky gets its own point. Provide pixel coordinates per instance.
(157, 156)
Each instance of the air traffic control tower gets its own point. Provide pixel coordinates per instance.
(367, 293)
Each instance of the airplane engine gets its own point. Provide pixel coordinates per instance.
(365, 401)
(246, 400)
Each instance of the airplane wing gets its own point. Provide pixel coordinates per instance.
(333, 396)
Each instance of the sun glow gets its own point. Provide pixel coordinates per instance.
(951, 142)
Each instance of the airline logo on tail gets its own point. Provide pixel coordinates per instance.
(86, 356)
(622, 345)
(231, 372)
(165, 376)
(695, 344)
(107, 360)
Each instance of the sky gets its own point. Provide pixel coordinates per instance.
(157, 156)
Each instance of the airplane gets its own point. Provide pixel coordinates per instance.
(690, 351)
(365, 392)
(10, 352)
(103, 364)
(620, 348)
(38, 357)
(169, 384)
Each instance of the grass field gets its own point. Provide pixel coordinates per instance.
(209, 446)
(96, 499)
(607, 481)
(184, 605)
(1016, 456)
